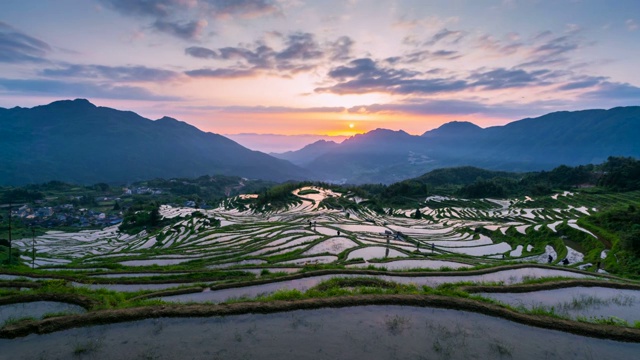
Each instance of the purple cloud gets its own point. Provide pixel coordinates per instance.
(17, 47)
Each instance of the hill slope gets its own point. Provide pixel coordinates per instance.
(569, 138)
(308, 153)
(75, 141)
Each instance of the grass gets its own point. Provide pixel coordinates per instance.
(611, 320)
(501, 349)
(56, 314)
(17, 320)
(396, 324)
(87, 347)
(308, 192)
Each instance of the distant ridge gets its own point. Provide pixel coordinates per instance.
(308, 153)
(76, 141)
(542, 143)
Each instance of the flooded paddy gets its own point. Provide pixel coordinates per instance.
(132, 287)
(413, 264)
(574, 302)
(22, 277)
(375, 252)
(332, 246)
(367, 332)
(512, 276)
(159, 262)
(36, 310)
(133, 275)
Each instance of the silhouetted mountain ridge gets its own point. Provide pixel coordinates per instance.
(531, 144)
(76, 141)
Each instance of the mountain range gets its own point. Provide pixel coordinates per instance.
(559, 138)
(76, 141)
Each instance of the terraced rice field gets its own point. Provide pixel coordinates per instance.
(293, 253)
(306, 233)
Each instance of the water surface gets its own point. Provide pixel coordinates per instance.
(367, 332)
(36, 310)
(578, 301)
(512, 276)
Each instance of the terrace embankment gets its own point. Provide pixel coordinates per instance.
(207, 310)
(76, 299)
(523, 288)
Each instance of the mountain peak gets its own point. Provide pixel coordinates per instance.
(454, 128)
(379, 134)
(67, 137)
(168, 120)
(382, 131)
(78, 103)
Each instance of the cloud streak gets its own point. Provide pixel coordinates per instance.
(18, 47)
(187, 19)
(113, 73)
(58, 88)
(365, 75)
(300, 52)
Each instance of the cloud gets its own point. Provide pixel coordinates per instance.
(429, 107)
(186, 30)
(184, 18)
(425, 107)
(201, 52)
(364, 75)
(424, 55)
(300, 46)
(166, 8)
(299, 52)
(552, 51)
(507, 78)
(507, 47)
(449, 36)
(154, 8)
(270, 109)
(341, 48)
(114, 73)
(631, 24)
(17, 47)
(222, 73)
(615, 91)
(78, 89)
(241, 8)
(582, 82)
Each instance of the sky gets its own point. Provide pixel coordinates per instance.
(322, 68)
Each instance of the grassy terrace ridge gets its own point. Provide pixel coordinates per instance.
(108, 306)
(548, 284)
(131, 314)
(480, 270)
(85, 301)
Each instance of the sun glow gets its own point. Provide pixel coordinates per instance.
(351, 126)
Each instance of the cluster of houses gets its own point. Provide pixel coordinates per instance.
(141, 191)
(79, 214)
(64, 215)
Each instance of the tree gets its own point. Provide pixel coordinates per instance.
(154, 216)
(418, 214)
(116, 206)
(630, 240)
